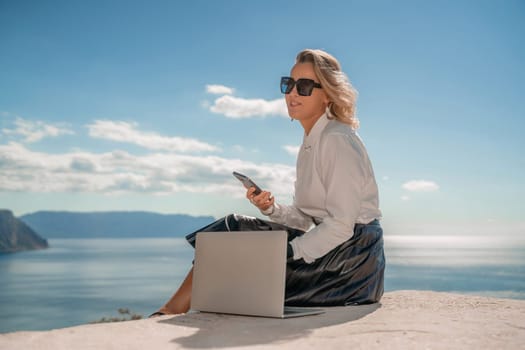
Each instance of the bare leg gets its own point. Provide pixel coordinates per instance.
(180, 301)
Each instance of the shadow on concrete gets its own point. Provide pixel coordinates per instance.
(222, 331)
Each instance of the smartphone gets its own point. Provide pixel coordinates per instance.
(247, 182)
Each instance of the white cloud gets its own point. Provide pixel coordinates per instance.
(386, 178)
(292, 150)
(119, 172)
(420, 186)
(128, 132)
(236, 107)
(33, 131)
(405, 198)
(219, 89)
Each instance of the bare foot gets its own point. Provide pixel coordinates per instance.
(180, 302)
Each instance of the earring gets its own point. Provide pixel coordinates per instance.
(328, 112)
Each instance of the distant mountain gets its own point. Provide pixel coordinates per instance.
(61, 224)
(16, 236)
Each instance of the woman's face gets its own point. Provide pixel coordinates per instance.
(306, 109)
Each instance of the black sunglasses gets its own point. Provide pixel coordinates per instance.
(304, 86)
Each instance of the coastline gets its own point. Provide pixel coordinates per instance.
(402, 320)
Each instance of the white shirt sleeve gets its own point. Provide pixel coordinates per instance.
(342, 171)
(289, 215)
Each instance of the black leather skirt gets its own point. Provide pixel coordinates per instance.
(351, 273)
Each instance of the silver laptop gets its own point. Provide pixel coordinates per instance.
(242, 273)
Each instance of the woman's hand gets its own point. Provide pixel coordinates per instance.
(263, 200)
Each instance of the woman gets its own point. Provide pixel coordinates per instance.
(335, 249)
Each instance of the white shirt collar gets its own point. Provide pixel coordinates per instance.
(314, 135)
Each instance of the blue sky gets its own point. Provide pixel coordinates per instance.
(136, 105)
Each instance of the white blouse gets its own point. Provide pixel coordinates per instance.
(334, 190)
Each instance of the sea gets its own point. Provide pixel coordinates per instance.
(79, 281)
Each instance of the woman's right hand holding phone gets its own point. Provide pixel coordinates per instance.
(263, 200)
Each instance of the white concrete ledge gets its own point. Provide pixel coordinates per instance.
(403, 320)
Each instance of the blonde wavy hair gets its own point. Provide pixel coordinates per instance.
(335, 83)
